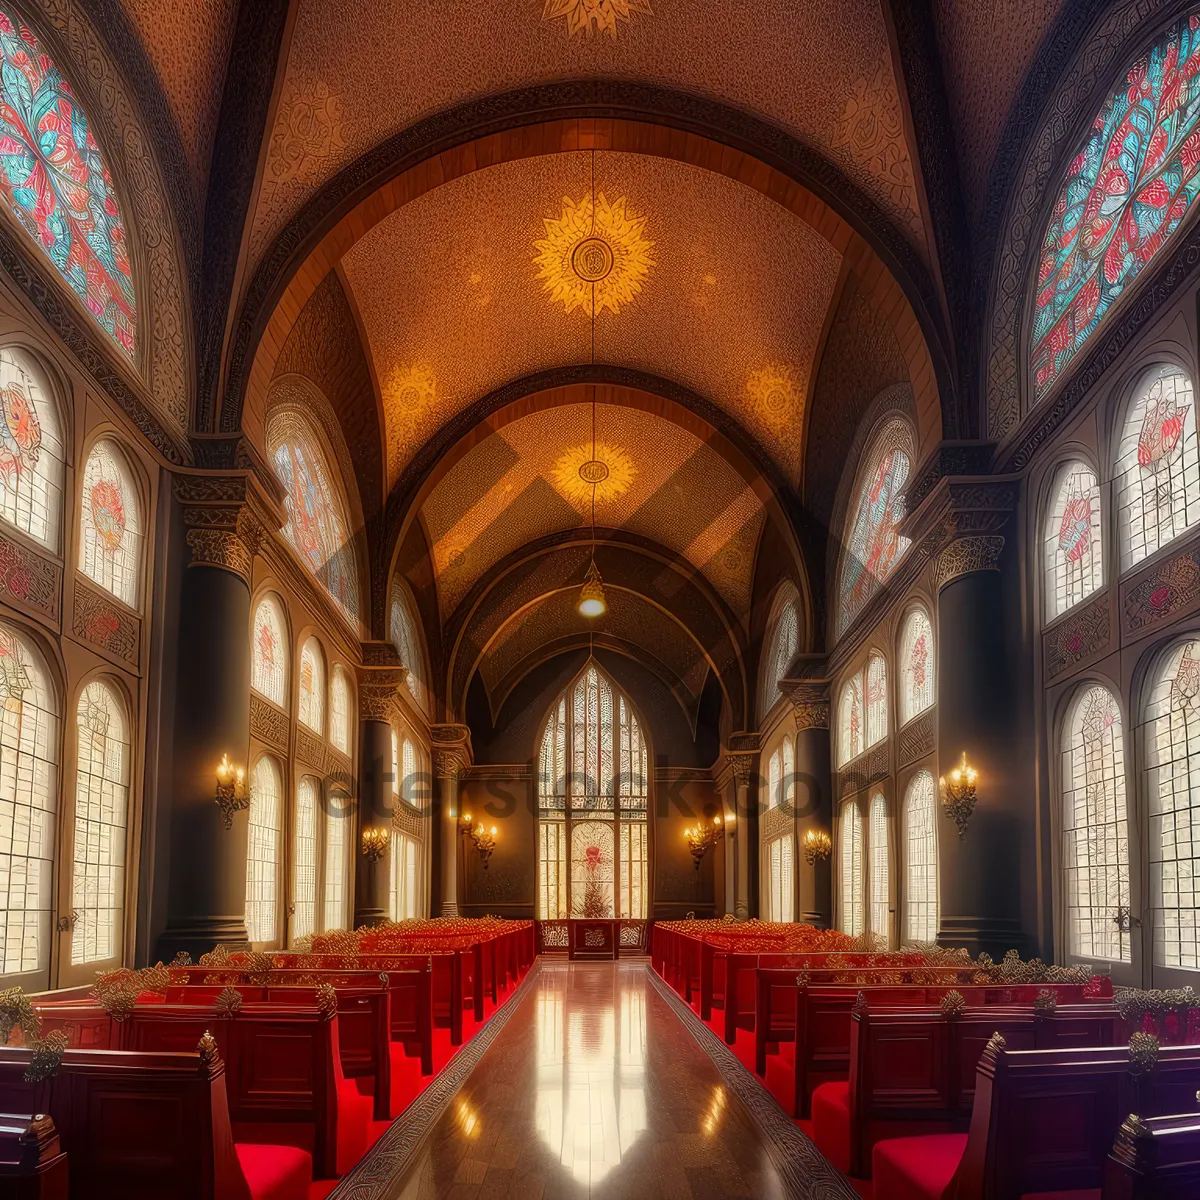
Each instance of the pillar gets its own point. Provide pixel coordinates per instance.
(741, 756)
(226, 517)
(729, 849)
(814, 797)
(451, 756)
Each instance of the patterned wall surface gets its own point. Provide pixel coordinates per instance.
(96, 618)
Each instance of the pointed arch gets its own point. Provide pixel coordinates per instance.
(269, 650)
(1072, 540)
(404, 632)
(33, 450)
(918, 664)
(780, 646)
(112, 529)
(311, 709)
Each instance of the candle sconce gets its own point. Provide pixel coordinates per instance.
(374, 843)
(231, 790)
(483, 837)
(818, 846)
(701, 837)
(958, 795)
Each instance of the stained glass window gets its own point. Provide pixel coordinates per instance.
(872, 546)
(262, 851)
(850, 720)
(781, 875)
(404, 879)
(339, 819)
(304, 874)
(1172, 756)
(395, 762)
(916, 664)
(1072, 550)
(57, 185)
(789, 772)
(110, 548)
(402, 628)
(312, 686)
(783, 643)
(31, 451)
(593, 772)
(408, 772)
(775, 780)
(1095, 828)
(339, 710)
(101, 812)
(877, 722)
(316, 527)
(850, 851)
(1158, 469)
(920, 861)
(1126, 192)
(877, 856)
(28, 807)
(269, 653)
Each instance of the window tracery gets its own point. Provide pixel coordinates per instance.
(877, 722)
(405, 878)
(920, 860)
(781, 873)
(304, 876)
(110, 548)
(32, 452)
(312, 686)
(1073, 547)
(339, 710)
(784, 643)
(850, 851)
(269, 652)
(916, 665)
(262, 852)
(850, 720)
(402, 629)
(338, 818)
(877, 852)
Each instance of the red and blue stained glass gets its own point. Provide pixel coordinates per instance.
(1075, 532)
(1126, 192)
(20, 435)
(56, 184)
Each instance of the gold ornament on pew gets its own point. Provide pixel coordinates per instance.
(1046, 1002)
(182, 959)
(1143, 1052)
(702, 837)
(802, 979)
(818, 846)
(953, 1004)
(861, 1007)
(47, 1056)
(327, 1001)
(958, 795)
(206, 1047)
(17, 1011)
(374, 843)
(231, 790)
(996, 1044)
(229, 1001)
(218, 956)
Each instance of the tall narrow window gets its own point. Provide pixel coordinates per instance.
(779, 854)
(269, 653)
(789, 772)
(101, 813)
(877, 722)
(408, 771)
(916, 665)
(28, 807)
(920, 861)
(339, 711)
(402, 629)
(593, 792)
(1157, 480)
(304, 874)
(783, 642)
(312, 686)
(775, 780)
(404, 878)
(262, 852)
(850, 721)
(110, 545)
(395, 762)
(1172, 756)
(877, 853)
(850, 850)
(1072, 545)
(338, 820)
(31, 452)
(1095, 829)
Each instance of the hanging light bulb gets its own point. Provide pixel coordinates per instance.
(591, 596)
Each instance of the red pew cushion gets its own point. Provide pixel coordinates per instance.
(831, 1123)
(275, 1172)
(916, 1168)
(354, 1120)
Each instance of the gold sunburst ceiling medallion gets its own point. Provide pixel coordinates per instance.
(611, 471)
(602, 261)
(773, 395)
(586, 16)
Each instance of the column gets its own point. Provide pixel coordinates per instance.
(451, 756)
(729, 846)
(741, 754)
(814, 796)
(226, 516)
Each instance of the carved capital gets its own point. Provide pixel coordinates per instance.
(959, 508)
(966, 555)
(220, 548)
(810, 701)
(228, 517)
(452, 753)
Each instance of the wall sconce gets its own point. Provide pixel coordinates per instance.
(374, 843)
(702, 836)
(818, 846)
(484, 838)
(231, 790)
(958, 795)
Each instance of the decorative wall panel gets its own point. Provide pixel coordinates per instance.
(98, 619)
(268, 723)
(918, 738)
(1166, 590)
(1082, 634)
(29, 580)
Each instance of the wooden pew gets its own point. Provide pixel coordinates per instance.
(1156, 1158)
(33, 1165)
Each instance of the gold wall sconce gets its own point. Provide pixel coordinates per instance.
(818, 846)
(483, 837)
(231, 790)
(375, 841)
(958, 795)
(701, 838)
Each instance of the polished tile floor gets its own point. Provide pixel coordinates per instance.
(593, 1088)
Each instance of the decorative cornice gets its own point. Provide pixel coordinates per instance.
(810, 702)
(479, 772)
(741, 756)
(228, 517)
(960, 506)
(380, 680)
(451, 747)
(967, 555)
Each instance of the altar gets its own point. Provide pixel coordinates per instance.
(601, 939)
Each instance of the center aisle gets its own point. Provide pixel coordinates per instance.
(595, 1087)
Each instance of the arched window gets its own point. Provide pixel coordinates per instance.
(339, 710)
(304, 874)
(317, 526)
(269, 654)
(920, 861)
(1072, 545)
(916, 665)
(783, 642)
(1158, 470)
(110, 545)
(877, 853)
(408, 771)
(1125, 194)
(312, 686)
(405, 878)
(31, 451)
(1172, 757)
(782, 873)
(593, 791)
(395, 762)
(101, 815)
(57, 185)
(28, 805)
(775, 780)
(850, 721)
(402, 628)
(850, 850)
(877, 722)
(872, 547)
(789, 772)
(1095, 828)
(338, 824)
(262, 851)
